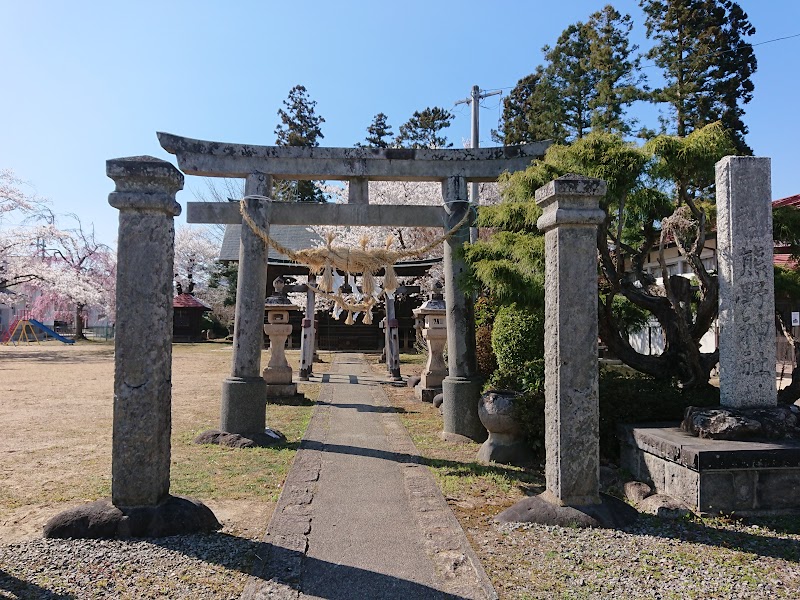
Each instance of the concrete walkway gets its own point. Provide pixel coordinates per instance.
(359, 517)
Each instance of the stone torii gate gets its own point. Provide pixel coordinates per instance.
(243, 396)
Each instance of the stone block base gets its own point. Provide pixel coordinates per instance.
(101, 519)
(244, 405)
(715, 476)
(426, 394)
(460, 408)
(277, 375)
(281, 390)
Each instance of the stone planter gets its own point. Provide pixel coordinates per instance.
(505, 444)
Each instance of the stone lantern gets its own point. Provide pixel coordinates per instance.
(278, 373)
(434, 332)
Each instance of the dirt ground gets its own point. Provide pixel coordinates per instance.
(55, 451)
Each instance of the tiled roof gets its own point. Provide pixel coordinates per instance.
(188, 301)
(294, 237)
(784, 260)
(788, 201)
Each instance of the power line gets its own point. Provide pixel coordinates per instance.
(651, 65)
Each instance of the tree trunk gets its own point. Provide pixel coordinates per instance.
(791, 392)
(79, 323)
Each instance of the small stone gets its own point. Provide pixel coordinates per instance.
(636, 491)
(664, 506)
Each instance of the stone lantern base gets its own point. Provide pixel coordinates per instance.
(426, 394)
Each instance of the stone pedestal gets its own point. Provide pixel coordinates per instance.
(243, 409)
(746, 295)
(278, 373)
(506, 444)
(434, 331)
(461, 388)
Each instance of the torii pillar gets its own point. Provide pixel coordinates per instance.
(461, 389)
(244, 393)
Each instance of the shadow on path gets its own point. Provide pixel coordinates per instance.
(279, 565)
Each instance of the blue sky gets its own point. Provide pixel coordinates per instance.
(87, 81)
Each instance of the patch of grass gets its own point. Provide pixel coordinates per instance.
(467, 484)
(210, 471)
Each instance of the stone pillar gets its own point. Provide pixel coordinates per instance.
(244, 403)
(461, 388)
(145, 196)
(307, 340)
(570, 217)
(358, 191)
(392, 339)
(278, 374)
(434, 332)
(746, 283)
(141, 505)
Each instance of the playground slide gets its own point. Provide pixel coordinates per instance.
(50, 332)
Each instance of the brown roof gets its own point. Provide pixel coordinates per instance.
(188, 301)
(788, 201)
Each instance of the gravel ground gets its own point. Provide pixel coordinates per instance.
(653, 558)
(192, 567)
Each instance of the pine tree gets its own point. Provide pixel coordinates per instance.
(422, 129)
(706, 61)
(379, 133)
(300, 126)
(591, 76)
(530, 114)
(618, 79)
(569, 71)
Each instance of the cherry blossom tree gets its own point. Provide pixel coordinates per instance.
(16, 245)
(73, 273)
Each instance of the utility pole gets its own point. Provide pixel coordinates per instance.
(475, 100)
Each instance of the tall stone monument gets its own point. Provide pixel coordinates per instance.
(570, 216)
(746, 283)
(140, 461)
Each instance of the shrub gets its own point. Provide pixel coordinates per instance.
(624, 398)
(485, 312)
(484, 355)
(638, 398)
(517, 336)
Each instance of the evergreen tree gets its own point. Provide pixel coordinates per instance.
(707, 63)
(570, 72)
(299, 126)
(530, 113)
(618, 80)
(591, 76)
(379, 133)
(423, 129)
(510, 265)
